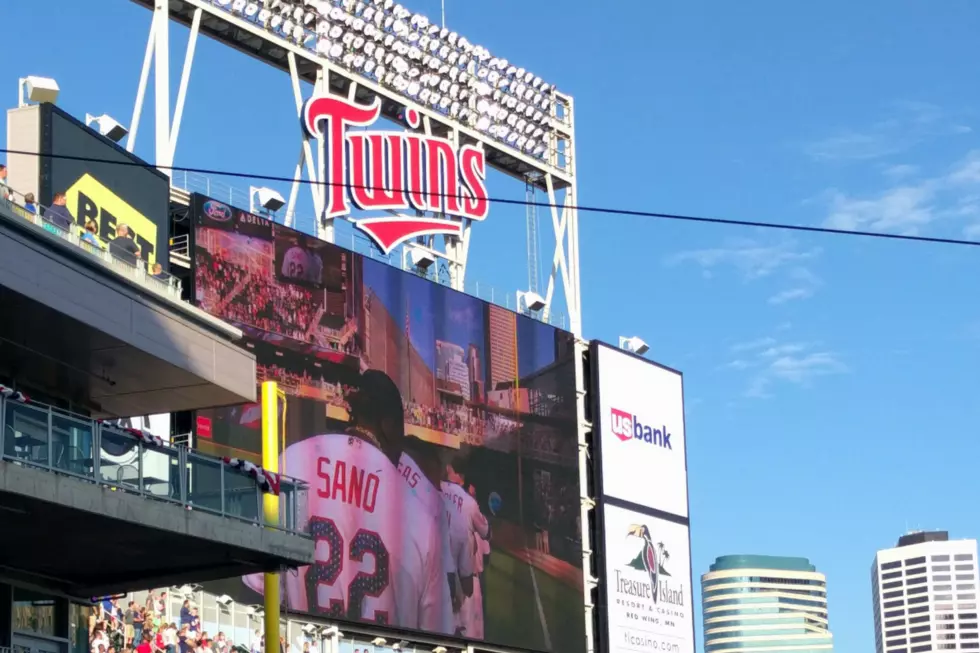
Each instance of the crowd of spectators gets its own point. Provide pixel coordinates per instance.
(58, 219)
(457, 420)
(144, 629)
(247, 295)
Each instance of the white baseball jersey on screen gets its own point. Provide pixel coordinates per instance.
(294, 263)
(437, 617)
(482, 549)
(370, 550)
(299, 264)
(466, 522)
(471, 612)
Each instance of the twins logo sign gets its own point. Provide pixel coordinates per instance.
(394, 171)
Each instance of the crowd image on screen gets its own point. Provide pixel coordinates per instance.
(238, 281)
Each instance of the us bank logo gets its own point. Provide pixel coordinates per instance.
(627, 427)
(645, 575)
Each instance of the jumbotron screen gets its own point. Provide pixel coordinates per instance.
(437, 433)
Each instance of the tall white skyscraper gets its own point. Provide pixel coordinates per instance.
(925, 595)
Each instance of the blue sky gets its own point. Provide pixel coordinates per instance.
(831, 382)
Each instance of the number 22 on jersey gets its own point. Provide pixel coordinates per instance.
(327, 570)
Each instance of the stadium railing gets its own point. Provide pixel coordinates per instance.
(165, 283)
(42, 436)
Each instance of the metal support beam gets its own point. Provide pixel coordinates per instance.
(161, 86)
(324, 226)
(306, 156)
(134, 124)
(185, 76)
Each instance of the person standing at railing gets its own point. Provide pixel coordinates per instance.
(89, 234)
(58, 213)
(4, 189)
(123, 246)
(30, 205)
(158, 272)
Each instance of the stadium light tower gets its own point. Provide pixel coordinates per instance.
(268, 198)
(108, 126)
(530, 301)
(415, 256)
(634, 345)
(37, 89)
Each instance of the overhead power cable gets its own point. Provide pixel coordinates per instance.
(523, 202)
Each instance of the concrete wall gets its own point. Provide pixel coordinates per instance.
(159, 358)
(23, 134)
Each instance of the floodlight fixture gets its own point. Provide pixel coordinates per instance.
(400, 645)
(269, 199)
(107, 126)
(440, 649)
(530, 300)
(225, 600)
(633, 345)
(37, 89)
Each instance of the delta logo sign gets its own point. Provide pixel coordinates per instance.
(394, 171)
(628, 427)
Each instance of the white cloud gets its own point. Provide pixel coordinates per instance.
(759, 343)
(910, 207)
(770, 362)
(752, 259)
(803, 368)
(906, 125)
(805, 285)
(900, 171)
(790, 295)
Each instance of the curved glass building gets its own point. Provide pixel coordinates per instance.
(764, 604)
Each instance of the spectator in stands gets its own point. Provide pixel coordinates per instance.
(4, 189)
(58, 213)
(158, 272)
(185, 613)
(89, 234)
(139, 616)
(129, 620)
(29, 204)
(123, 246)
(144, 645)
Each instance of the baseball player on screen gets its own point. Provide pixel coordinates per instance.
(301, 265)
(466, 522)
(422, 481)
(374, 562)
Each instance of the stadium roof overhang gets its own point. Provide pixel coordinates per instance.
(71, 537)
(75, 329)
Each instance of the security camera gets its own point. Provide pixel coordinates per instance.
(331, 631)
(379, 641)
(224, 599)
(440, 649)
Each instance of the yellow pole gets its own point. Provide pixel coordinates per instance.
(270, 507)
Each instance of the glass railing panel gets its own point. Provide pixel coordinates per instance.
(25, 434)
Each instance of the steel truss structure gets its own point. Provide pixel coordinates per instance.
(553, 174)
